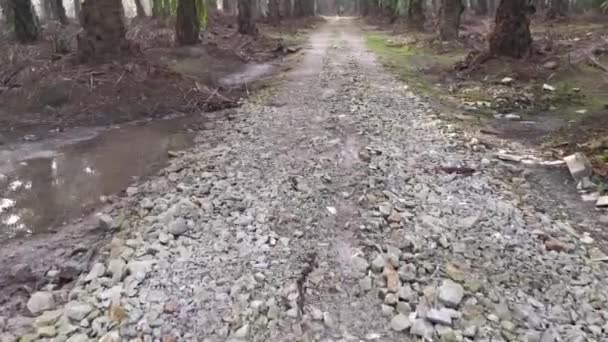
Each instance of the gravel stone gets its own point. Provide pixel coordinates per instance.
(41, 301)
(450, 293)
(400, 322)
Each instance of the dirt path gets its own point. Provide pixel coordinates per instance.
(323, 213)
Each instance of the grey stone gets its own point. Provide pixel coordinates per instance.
(385, 208)
(7, 337)
(96, 271)
(406, 293)
(328, 320)
(46, 331)
(140, 268)
(77, 310)
(439, 316)
(365, 283)
(48, 318)
(178, 227)
(579, 166)
(404, 308)
(242, 332)
(41, 301)
(78, 338)
(390, 299)
(378, 264)
(470, 331)
(360, 264)
(451, 293)
(164, 238)
(407, 272)
(117, 268)
(602, 202)
(550, 335)
(106, 222)
(400, 322)
(387, 310)
(244, 220)
(112, 336)
(422, 328)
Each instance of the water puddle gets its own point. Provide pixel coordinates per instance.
(246, 74)
(47, 183)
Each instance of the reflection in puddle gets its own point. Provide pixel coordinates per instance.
(248, 74)
(47, 191)
(6, 203)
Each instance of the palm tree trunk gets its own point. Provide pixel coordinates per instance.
(187, 26)
(60, 12)
(415, 15)
(77, 9)
(246, 19)
(511, 36)
(449, 19)
(26, 25)
(141, 13)
(104, 30)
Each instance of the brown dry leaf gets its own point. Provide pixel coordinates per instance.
(117, 313)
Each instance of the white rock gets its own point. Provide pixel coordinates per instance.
(178, 226)
(509, 157)
(506, 80)
(579, 166)
(400, 322)
(439, 316)
(385, 208)
(140, 268)
(513, 117)
(112, 336)
(78, 338)
(450, 293)
(602, 202)
(96, 271)
(117, 268)
(422, 328)
(47, 318)
(244, 220)
(242, 332)
(164, 238)
(41, 301)
(590, 197)
(548, 87)
(77, 310)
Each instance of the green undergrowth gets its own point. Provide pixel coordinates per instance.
(421, 68)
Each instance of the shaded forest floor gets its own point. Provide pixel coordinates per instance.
(556, 98)
(43, 87)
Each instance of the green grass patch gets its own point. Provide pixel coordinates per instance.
(421, 68)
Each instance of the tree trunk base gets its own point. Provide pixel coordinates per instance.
(511, 36)
(104, 31)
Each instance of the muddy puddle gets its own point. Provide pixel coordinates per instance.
(246, 74)
(48, 183)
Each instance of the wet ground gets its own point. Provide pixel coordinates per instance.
(50, 182)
